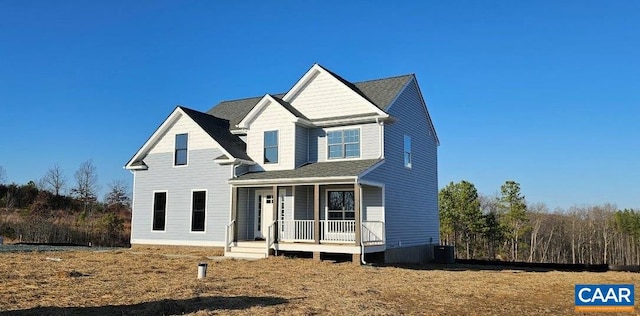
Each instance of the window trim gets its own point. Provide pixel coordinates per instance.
(264, 147)
(326, 203)
(343, 128)
(206, 199)
(408, 165)
(175, 150)
(153, 210)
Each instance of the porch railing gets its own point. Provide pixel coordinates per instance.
(296, 230)
(331, 231)
(271, 238)
(338, 230)
(372, 233)
(228, 235)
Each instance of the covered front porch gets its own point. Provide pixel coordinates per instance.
(322, 216)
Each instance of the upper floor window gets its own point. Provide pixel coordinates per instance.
(271, 147)
(407, 151)
(180, 158)
(344, 143)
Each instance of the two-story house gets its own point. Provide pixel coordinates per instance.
(329, 166)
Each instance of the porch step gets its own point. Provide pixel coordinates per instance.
(245, 255)
(247, 250)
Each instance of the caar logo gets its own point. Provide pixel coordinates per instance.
(604, 297)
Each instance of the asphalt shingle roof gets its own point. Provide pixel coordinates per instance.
(380, 92)
(350, 168)
(218, 129)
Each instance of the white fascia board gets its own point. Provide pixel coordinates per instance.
(312, 73)
(371, 119)
(136, 167)
(266, 100)
(175, 115)
(299, 181)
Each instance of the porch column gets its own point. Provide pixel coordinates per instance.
(316, 213)
(357, 206)
(276, 202)
(234, 211)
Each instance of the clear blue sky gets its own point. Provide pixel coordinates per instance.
(545, 93)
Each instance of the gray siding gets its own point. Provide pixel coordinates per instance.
(178, 182)
(303, 198)
(302, 145)
(372, 208)
(369, 142)
(411, 195)
(246, 213)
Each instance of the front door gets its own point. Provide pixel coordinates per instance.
(264, 213)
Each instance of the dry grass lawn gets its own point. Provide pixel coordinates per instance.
(145, 281)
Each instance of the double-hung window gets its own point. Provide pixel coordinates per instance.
(407, 151)
(341, 205)
(198, 207)
(159, 210)
(271, 147)
(343, 143)
(180, 157)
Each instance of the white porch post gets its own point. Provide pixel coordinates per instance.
(316, 213)
(234, 212)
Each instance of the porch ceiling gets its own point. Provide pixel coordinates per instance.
(312, 172)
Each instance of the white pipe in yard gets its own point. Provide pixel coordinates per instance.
(202, 270)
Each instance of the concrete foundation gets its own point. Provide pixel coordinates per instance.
(413, 254)
(316, 255)
(355, 258)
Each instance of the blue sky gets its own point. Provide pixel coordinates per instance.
(546, 93)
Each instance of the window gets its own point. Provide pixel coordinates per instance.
(159, 210)
(407, 151)
(271, 147)
(341, 205)
(198, 205)
(344, 143)
(180, 158)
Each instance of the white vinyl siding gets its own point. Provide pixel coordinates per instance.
(324, 96)
(272, 117)
(198, 139)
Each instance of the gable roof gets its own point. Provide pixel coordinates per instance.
(215, 127)
(332, 169)
(380, 92)
(218, 129)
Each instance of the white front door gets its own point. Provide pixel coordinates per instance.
(264, 213)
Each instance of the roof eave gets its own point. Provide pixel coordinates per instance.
(311, 180)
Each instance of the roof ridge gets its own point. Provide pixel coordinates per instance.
(386, 78)
(256, 97)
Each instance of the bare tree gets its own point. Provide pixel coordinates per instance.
(54, 180)
(86, 183)
(118, 195)
(3, 175)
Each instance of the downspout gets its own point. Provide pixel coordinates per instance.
(380, 137)
(380, 156)
(361, 242)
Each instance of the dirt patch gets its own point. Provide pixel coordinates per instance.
(130, 283)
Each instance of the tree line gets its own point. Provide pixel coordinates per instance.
(507, 227)
(56, 210)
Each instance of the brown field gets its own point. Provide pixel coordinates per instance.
(145, 281)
